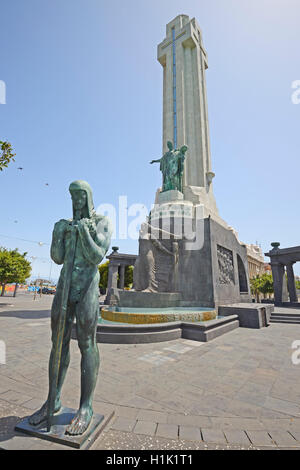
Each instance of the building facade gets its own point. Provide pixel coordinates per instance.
(256, 261)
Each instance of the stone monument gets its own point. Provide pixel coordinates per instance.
(188, 255)
(79, 244)
(185, 116)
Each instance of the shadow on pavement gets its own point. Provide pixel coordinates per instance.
(7, 427)
(27, 314)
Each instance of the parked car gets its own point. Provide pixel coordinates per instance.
(48, 290)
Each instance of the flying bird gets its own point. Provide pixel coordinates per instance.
(20, 168)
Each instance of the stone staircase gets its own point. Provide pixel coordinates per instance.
(292, 318)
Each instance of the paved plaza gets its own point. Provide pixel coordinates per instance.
(239, 391)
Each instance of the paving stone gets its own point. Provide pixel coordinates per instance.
(295, 424)
(189, 433)
(255, 388)
(251, 398)
(260, 438)
(33, 404)
(123, 424)
(252, 362)
(296, 435)
(102, 408)
(147, 428)
(156, 360)
(193, 344)
(19, 442)
(225, 348)
(271, 414)
(169, 431)
(154, 416)
(214, 436)
(127, 412)
(237, 436)
(139, 402)
(189, 420)
(171, 355)
(178, 348)
(44, 445)
(55, 446)
(15, 397)
(276, 424)
(237, 423)
(283, 438)
(282, 406)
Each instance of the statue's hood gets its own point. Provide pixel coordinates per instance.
(84, 186)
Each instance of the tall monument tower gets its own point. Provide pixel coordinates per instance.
(185, 116)
(188, 255)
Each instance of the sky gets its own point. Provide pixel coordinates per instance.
(84, 101)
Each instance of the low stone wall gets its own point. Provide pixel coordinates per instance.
(250, 315)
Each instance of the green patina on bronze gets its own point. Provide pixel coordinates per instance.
(172, 166)
(79, 244)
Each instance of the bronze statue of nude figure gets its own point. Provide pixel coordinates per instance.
(79, 244)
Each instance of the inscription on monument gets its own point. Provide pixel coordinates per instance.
(226, 266)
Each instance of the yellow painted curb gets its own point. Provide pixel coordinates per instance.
(142, 318)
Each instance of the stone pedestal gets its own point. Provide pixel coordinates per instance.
(211, 268)
(133, 299)
(169, 196)
(216, 266)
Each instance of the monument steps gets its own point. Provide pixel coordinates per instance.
(160, 332)
(286, 315)
(138, 337)
(285, 318)
(294, 322)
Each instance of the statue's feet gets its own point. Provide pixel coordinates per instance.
(80, 422)
(41, 415)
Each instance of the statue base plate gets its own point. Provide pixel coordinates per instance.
(60, 422)
(170, 196)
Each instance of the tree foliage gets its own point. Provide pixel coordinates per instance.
(128, 276)
(14, 267)
(262, 284)
(103, 271)
(6, 154)
(254, 285)
(266, 284)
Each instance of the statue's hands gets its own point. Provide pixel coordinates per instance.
(62, 226)
(83, 224)
(184, 149)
